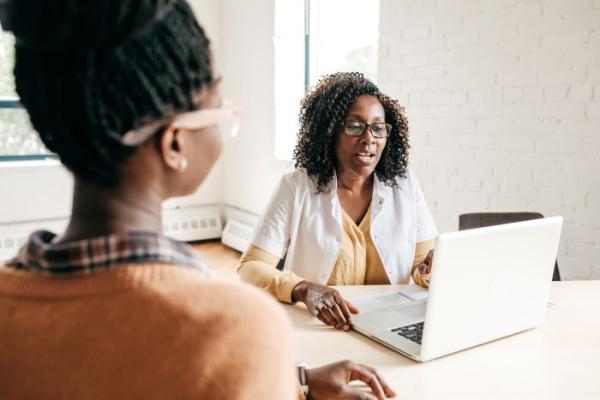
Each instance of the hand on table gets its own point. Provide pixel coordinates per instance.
(332, 381)
(325, 303)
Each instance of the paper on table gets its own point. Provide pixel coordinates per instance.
(389, 298)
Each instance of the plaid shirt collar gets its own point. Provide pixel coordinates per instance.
(104, 252)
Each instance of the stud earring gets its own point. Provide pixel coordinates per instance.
(183, 164)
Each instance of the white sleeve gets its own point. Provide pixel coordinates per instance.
(272, 233)
(426, 229)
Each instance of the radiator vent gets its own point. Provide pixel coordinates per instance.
(9, 244)
(13, 236)
(185, 224)
(237, 235)
(192, 224)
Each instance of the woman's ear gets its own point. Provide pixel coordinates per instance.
(171, 145)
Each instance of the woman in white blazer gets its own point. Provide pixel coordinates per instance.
(351, 213)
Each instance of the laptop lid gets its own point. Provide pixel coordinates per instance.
(488, 283)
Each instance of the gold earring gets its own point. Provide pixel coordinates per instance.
(182, 165)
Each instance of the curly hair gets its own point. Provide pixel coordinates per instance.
(322, 112)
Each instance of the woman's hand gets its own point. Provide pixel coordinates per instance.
(425, 266)
(325, 303)
(332, 381)
(421, 273)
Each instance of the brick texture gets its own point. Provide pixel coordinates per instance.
(503, 98)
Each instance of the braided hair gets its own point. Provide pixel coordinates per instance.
(322, 112)
(88, 71)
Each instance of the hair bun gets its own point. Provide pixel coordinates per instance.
(77, 24)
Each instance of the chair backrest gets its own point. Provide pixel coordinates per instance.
(480, 220)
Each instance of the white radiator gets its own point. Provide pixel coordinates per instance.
(237, 235)
(193, 223)
(185, 224)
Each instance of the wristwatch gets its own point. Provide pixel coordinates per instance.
(303, 379)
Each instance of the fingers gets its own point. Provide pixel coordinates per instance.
(346, 307)
(428, 262)
(313, 309)
(325, 316)
(389, 392)
(338, 315)
(370, 377)
(340, 310)
(357, 394)
(329, 306)
(423, 268)
(353, 309)
(344, 310)
(332, 316)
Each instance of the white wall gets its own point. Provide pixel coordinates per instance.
(34, 190)
(42, 190)
(209, 14)
(503, 98)
(242, 39)
(251, 170)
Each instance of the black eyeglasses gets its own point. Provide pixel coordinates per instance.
(379, 130)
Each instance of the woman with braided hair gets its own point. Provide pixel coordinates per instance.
(351, 213)
(124, 92)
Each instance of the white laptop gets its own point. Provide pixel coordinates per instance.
(486, 283)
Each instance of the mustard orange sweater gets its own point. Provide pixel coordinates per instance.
(141, 332)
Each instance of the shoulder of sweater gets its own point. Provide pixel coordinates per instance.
(224, 300)
(248, 336)
(233, 337)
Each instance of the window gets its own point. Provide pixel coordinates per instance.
(18, 140)
(314, 38)
(343, 36)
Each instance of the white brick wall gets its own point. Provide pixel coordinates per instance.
(503, 98)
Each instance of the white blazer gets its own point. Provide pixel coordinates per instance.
(308, 226)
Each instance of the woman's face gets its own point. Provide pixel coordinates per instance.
(361, 154)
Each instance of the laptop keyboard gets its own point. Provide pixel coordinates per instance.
(412, 332)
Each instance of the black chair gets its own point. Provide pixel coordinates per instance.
(479, 220)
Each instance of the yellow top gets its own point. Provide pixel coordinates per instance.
(357, 264)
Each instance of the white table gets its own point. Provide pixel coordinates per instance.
(560, 360)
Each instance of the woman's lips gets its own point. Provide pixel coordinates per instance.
(365, 157)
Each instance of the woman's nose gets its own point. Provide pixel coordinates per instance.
(367, 136)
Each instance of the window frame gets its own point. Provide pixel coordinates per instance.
(306, 45)
(11, 102)
(281, 149)
(7, 103)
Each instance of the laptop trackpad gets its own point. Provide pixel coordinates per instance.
(412, 311)
(391, 317)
